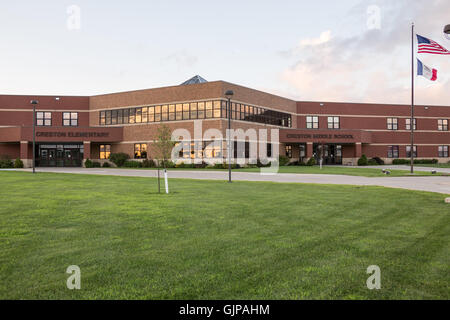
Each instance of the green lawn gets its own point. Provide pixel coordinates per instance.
(365, 172)
(214, 240)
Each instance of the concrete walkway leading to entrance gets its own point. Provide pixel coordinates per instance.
(440, 184)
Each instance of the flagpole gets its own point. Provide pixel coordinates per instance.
(412, 99)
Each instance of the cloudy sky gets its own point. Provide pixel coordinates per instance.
(346, 50)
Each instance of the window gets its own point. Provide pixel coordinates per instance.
(138, 118)
(201, 110)
(132, 116)
(312, 122)
(105, 151)
(392, 123)
(194, 110)
(408, 124)
(289, 151)
(269, 150)
(393, 152)
(216, 109)
(145, 115)
(209, 111)
(179, 113)
(408, 151)
(443, 124)
(186, 111)
(70, 119)
(171, 112)
(140, 150)
(157, 113)
(333, 122)
(164, 112)
(43, 118)
(443, 151)
(102, 118)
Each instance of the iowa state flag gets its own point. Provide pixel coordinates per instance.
(427, 72)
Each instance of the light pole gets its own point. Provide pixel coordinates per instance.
(34, 103)
(447, 31)
(229, 94)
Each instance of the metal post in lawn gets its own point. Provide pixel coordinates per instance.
(229, 94)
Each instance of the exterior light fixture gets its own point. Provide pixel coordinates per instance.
(447, 31)
(229, 94)
(34, 103)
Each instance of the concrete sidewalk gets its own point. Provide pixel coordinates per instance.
(440, 184)
(397, 167)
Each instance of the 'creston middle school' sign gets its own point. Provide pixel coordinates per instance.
(72, 134)
(319, 136)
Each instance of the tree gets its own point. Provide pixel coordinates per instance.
(163, 147)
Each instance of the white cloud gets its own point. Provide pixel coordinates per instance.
(375, 65)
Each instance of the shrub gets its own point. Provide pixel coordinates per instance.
(88, 163)
(416, 161)
(18, 163)
(106, 165)
(311, 162)
(372, 162)
(148, 163)
(200, 165)
(5, 162)
(132, 164)
(169, 164)
(119, 158)
(259, 164)
(378, 160)
(96, 164)
(283, 160)
(400, 161)
(363, 161)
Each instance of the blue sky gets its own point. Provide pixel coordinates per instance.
(306, 50)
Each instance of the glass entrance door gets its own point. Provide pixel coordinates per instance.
(330, 153)
(59, 155)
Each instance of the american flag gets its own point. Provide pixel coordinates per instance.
(429, 46)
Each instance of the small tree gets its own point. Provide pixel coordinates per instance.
(163, 147)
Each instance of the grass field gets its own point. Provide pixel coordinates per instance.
(364, 172)
(214, 240)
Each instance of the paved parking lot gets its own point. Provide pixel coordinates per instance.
(440, 184)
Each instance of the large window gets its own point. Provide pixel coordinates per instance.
(333, 122)
(443, 124)
(312, 122)
(140, 150)
(392, 123)
(443, 151)
(392, 151)
(70, 119)
(199, 110)
(408, 124)
(43, 118)
(105, 151)
(408, 151)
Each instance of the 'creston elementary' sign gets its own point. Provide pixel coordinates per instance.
(319, 136)
(72, 134)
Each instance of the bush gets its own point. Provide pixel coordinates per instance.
(96, 164)
(88, 163)
(119, 158)
(372, 162)
(106, 165)
(18, 163)
(283, 160)
(5, 162)
(363, 161)
(416, 161)
(311, 162)
(259, 164)
(168, 164)
(378, 160)
(148, 163)
(132, 164)
(200, 165)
